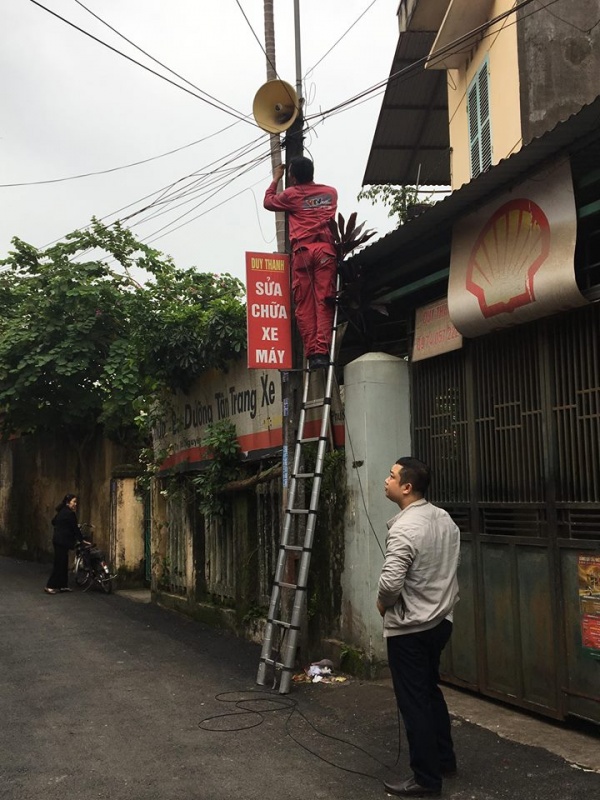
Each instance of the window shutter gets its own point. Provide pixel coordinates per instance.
(473, 130)
(478, 112)
(485, 133)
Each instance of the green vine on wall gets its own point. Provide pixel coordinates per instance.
(222, 447)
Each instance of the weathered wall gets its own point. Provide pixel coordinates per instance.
(127, 527)
(561, 61)
(36, 472)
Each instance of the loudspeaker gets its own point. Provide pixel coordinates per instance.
(275, 106)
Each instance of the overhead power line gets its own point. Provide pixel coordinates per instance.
(123, 166)
(451, 47)
(239, 5)
(156, 61)
(218, 105)
(202, 184)
(343, 36)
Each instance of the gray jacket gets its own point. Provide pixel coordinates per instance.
(418, 584)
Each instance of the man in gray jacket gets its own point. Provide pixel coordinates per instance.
(417, 592)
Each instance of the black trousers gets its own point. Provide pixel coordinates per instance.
(414, 660)
(59, 578)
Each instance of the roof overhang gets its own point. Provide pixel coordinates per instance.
(412, 143)
(461, 17)
(391, 253)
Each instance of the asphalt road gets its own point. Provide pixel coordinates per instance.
(104, 697)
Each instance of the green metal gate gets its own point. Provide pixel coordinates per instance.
(511, 428)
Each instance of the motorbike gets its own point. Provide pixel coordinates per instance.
(90, 566)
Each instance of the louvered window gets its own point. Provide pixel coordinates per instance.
(478, 110)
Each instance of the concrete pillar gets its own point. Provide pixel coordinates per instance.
(377, 410)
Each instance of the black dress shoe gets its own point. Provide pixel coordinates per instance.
(411, 788)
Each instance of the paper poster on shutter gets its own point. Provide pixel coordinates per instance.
(512, 261)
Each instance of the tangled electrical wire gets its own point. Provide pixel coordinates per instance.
(254, 705)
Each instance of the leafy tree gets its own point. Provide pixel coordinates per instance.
(82, 344)
(402, 201)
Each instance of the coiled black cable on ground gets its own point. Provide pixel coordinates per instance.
(255, 704)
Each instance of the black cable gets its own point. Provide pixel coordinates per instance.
(163, 189)
(256, 37)
(338, 109)
(448, 49)
(586, 31)
(246, 706)
(206, 179)
(203, 213)
(124, 166)
(199, 192)
(156, 61)
(343, 36)
(240, 117)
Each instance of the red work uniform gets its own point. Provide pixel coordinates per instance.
(314, 258)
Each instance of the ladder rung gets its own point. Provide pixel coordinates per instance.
(283, 624)
(293, 627)
(320, 401)
(277, 664)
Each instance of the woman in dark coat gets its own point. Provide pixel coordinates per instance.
(66, 533)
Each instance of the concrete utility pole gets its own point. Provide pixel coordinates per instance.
(274, 140)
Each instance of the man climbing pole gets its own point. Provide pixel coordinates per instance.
(309, 206)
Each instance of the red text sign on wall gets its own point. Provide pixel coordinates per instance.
(269, 311)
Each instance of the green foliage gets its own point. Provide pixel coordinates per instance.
(223, 448)
(401, 200)
(348, 236)
(354, 299)
(82, 344)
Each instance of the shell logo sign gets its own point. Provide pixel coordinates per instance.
(512, 246)
(513, 259)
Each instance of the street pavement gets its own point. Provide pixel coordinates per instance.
(104, 697)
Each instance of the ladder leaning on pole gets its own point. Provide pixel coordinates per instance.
(279, 651)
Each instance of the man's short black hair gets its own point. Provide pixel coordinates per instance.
(302, 169)
(415, 472)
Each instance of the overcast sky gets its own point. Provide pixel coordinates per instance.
(71, 106)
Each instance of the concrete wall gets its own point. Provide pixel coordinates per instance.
(561, 61)
(377, 400)
(127, 527)
(35, 474)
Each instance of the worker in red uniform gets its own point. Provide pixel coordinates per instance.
(314, 260)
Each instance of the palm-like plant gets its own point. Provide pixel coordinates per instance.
(354, 300)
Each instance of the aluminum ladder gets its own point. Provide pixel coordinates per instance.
(281, 654)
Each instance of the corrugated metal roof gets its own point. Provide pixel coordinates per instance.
(411, 141)
(566, 137)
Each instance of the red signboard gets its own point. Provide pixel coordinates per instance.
(269, 311)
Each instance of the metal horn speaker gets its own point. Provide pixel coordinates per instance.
(275, 106)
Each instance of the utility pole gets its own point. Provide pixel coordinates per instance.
(291, 382)
(274, 140)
